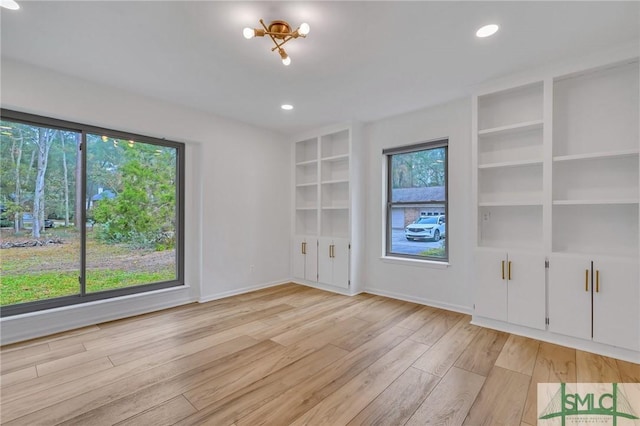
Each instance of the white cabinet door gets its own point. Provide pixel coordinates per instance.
(341, 256)
(333, 261)
(526, 289)
(311, 259)
(305, 258)
(570, 296)
(616, 303)
(325, 264)
(299, 258)
(491, 284)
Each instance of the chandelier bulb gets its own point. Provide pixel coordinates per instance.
(285, 58)
(248, 33)
(304, 29)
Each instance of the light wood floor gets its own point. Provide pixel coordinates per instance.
(290, 355)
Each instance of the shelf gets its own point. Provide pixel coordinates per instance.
(595, 155)
(510, 164)
(340, 157)
(301, 185)
(307, 163)
(335, 181)
(512, 128)
(306, 208)
(335, 208)
(594, 202)
(510, 203)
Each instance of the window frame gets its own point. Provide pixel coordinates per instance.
(83, 296)
(406, 149)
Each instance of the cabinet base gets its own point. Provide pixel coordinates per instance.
(558, 339)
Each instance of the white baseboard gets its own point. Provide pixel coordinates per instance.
(320, 286)
(419, 300)
(243, 290)
(27, 326)
(558, 339)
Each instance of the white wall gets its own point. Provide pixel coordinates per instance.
(237, 213)
(449, 287)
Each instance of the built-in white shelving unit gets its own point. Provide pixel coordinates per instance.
(509, 167)
(557, 178)
(323, 209)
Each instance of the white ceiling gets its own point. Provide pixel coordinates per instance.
(362, 60)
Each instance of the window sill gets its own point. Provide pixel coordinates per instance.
(415, 262)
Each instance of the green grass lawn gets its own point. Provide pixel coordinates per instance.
(47, 285)
(36, 273)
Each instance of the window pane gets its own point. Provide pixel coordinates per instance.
(418, 204)
(131, 209)
(40, 255)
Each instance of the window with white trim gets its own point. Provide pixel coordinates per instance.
(417, 201)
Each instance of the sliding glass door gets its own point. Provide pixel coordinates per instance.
(39, 226)
(131, 208)
(86, 213)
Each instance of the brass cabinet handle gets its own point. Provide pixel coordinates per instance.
(597, 281)
(331, 250)
(509, 272)
(503, 269)
(586, 280)
(304, 248)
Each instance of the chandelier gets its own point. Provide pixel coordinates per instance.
(280, 32)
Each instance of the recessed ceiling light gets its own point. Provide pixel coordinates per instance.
(9, 4)
(286, 107)
(487, 30)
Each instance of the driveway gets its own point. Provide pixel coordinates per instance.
(399, 243)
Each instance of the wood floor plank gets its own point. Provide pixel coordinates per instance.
(344, 404)
(390, 319)
(259, 393)
(312, 327)
(444, 353)
(436, 327)
(98, 389)
(165, 414)
(481, 354)
(518, 354)
(419, 318)
(554, 364)
(592, 368)
(300, 398)
(24, 352)
(52, 340)
(121, 351)
(501, 399)
(138, 394)
(629, 372)
(20, 363)
(134, 396)
(397, 403)
(450, 401)
(233, 381)
(51, 381)
(314, 311)
(210, 323)
(17, 376)
(201, 338)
